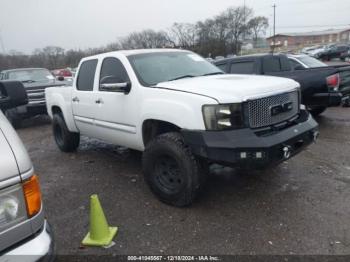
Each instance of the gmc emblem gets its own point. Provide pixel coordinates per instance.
(282, 108)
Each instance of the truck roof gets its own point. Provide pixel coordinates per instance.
(246, 56)
(138, 51)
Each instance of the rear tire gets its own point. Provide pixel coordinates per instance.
(317, 110)
(66, 141)
(171, 170)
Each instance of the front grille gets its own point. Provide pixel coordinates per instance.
(36, 95)
(260, 110)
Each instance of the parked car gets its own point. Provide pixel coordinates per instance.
(183, 113)
(317, 52)
(335, 51)
(308, 50)
(300, 62)
(319, 86)
(24, 230)
(65, 75)
(35, 80)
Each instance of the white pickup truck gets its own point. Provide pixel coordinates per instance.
(183, 113)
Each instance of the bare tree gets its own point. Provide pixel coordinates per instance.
(52, 55)
(145, 39)
(257, 26)
(183, 35)
(236, 24)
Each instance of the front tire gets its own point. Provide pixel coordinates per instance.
(317, 110)
(66, 141)
(172, 171)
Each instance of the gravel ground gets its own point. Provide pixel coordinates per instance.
(300, 207)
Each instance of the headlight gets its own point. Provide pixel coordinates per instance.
(223, 117)
(12, 207)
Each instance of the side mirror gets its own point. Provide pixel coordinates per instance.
(60, 78)
(12, 94)
(113, 84)
(299, 67)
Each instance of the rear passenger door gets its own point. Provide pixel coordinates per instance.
(83, 99)
(276, 65)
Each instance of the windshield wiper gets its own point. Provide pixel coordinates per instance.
(215, 73)
(181, 77)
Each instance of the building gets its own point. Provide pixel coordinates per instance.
(311, 38)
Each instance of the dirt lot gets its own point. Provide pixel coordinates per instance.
(300, 207)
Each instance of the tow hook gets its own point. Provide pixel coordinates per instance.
(315, 136)
(287, 150)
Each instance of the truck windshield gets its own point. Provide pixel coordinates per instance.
(311, 62)
(31, 75)
(154, 68)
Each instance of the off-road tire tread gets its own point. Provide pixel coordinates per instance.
(198, 171)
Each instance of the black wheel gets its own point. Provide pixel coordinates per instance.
(172, 171)
(346, 103)
(66, 141)
(13, 118)
(317, 110)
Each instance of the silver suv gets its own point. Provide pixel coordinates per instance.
(23, 228)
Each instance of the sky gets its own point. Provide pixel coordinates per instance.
(73, 24)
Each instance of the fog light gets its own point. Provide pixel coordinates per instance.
(287, 151)
(258, 154)
(243, 155)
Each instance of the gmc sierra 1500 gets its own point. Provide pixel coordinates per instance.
(183, 112)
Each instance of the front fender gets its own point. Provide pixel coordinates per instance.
(182, 110)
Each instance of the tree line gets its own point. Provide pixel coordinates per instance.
(220, 35)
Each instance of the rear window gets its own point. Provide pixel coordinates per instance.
(86, 75)
(246, 67)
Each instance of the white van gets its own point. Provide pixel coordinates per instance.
(24, 230)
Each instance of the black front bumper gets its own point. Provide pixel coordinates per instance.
(31, 109)
(244, 148)
(325, 99)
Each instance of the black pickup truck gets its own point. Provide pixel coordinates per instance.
(301, 62)
(319, 86)
(34, 80)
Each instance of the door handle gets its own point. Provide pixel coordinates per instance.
(99, 101)
(76, 99)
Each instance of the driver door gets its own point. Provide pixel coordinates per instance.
(115, 117)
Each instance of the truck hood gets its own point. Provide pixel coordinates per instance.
(232, 88)
(8, 164)
(41, 85)
(14, 157)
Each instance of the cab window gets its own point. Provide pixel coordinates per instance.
(113, 71)
(246, 67)
(86, 76)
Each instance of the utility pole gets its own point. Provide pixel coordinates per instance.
(2, 44)
(244, 24)
(244, 21)
(274, 28)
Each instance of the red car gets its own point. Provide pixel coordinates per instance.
(62, 72)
